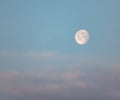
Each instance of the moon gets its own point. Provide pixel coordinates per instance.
(82, 37)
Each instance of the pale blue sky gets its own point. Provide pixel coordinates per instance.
(43, 25)
(40, 60)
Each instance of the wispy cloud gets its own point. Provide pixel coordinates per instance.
(43, 76)
(63, 85)
(9, 75)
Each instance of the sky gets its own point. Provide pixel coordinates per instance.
(40, 60)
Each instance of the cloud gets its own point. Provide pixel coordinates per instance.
(114, 94)
(35, 54)
(10, 75)
(40, 54)
(67, 85)
(50, 76)
(8, 53)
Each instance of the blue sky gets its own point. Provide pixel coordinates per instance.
(40, 58)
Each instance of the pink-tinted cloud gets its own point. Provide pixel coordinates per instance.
(9, 75)
(37, 79)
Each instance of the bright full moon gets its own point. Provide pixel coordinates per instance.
(81, 37)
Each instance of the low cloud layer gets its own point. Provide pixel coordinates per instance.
(50, 76)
